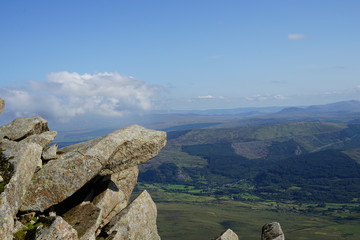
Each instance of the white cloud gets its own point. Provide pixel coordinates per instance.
(205, 97)
(259, 97)
(65, 95)
(209, 97)
(296, 36)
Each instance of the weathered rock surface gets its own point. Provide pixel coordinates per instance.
(25, 157)
(43, 139)
(49, 153)
(79, 163)
(21, 128)
(85, 219)
(117, 194)
(272, 231)
(58, 180)
(137, 221)
(123, 148)
(58, 230)
(2, 105)
(228, 235)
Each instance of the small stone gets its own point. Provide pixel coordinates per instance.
(52, 214)
(59, 229)
(1, 178)
(27, 217)
(272, 231)
(228, 235)
(49, 153)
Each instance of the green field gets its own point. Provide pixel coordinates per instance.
(187, 216)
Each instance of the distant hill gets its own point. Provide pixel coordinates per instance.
(301, 161)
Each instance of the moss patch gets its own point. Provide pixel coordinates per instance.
(28, 232)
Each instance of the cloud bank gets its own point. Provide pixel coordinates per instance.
(65, 95)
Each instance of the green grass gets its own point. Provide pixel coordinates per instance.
(182, 215)
(208, 220)
(181, 159)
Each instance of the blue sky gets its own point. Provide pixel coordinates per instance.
(111, 57)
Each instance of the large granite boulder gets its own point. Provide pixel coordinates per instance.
(43, 139)
(272, 231)
(228, 235)
(79, 163)
(136, 221)
(21, 128)
(25, 158)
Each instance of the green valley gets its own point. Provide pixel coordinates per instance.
(305, 175)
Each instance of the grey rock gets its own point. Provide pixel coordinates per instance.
(137, 221)
(11, 198)
(21, 128)
(1, 178)
(2, 105)
(49, 153)
(228, 235)
(58, 180)
(79, 163)
(43, 139)
(85, 219)
(11, 149)
(58, 230)
(123, 148)
(115, 198)
(272, 231)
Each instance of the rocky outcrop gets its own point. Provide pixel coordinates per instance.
(80, 163)
(84, 188)
(228, 235)
(272, 231)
